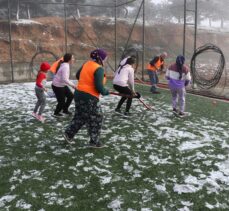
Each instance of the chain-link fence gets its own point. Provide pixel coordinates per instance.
(32, 32)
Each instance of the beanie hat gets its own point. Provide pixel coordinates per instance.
(45, 66)
(98, 54)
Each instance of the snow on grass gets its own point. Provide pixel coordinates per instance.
(153, 160)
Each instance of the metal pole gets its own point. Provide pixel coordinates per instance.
(184, 31)
(195, 34)
(115, 35)
(10, 41)
(143, 38)
(65, 27)
(196, 12)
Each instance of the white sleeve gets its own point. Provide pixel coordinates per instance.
(167, 74)
(188, 76)
(43, 82)
(65, 77)
(131, 79)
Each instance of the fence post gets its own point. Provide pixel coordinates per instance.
(10, 41)
(143, 38)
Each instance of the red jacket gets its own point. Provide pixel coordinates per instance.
(40, 77)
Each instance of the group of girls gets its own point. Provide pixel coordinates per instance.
(91, 80)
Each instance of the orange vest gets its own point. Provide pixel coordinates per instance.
(156, 66)
(86, 81)
(55, 65)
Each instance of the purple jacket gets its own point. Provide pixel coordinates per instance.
(172, 74)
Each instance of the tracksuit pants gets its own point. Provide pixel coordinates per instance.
(178, 95)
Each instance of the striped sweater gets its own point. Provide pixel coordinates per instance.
(172, 74)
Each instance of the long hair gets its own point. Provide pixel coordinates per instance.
(66, 58)
(180, 62)
(128, 60)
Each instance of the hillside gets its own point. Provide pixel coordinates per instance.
(47, 33)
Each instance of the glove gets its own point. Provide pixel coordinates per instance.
(138, 95)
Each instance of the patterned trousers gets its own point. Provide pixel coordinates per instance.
(87, 113)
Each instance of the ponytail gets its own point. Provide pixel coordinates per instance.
(67, 57)
(58, 66)
(180, 62)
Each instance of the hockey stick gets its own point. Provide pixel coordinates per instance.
(129, 96)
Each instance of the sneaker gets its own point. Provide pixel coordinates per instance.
(175, 111)
(127, 113)
(66, 137)
(67, 112)
(117, 110)
(58, 115)
(181, 114)
(95, 145)
(41, 118)
(34, 115)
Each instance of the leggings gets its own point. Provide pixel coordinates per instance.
(124, 90)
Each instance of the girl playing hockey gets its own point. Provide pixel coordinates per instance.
(179, 77)
(40, 91)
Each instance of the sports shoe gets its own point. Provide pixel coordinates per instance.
(34, 114)
(66, 137)
(67, 112)
(117, 110)
(175, 111)
(95, 145)
(181, 114)
(57, 115)
(127, 113)
(41, 118)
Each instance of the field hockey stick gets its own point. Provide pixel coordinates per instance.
(146, 106)
(130, 96)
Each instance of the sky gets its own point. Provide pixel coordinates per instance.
(158, 1)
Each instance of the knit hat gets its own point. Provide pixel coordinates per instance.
(45, 66)
(98, 54)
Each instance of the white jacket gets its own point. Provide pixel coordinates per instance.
(61, 79)
(124, 77)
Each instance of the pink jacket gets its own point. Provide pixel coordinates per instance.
(61, 78)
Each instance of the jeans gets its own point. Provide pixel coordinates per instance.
(153, 80)
(41, 100)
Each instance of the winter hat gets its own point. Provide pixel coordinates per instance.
(98, 54)
(45, 66)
